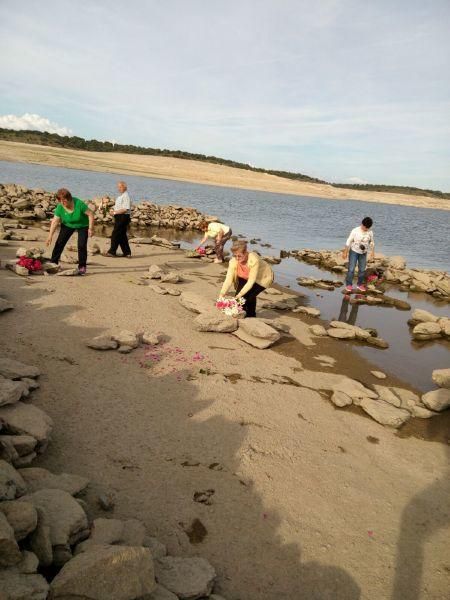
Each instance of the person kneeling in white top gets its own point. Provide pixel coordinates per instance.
(356, 248)
(122, 218)
(220, 233)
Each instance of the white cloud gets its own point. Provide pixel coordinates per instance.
(356, 180)
(32, 122)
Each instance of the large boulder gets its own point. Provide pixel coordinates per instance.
(22, 516)
(195, 302)
(67, 520)
(441, 377)
(13, 369)
(187, 578)
(37, 479)
(106, 573)
(427, 331)
(11, 391)
(437, 400)
(257, 333)
(422, 316)
(27, 419)
(215, 320)
(384, 413)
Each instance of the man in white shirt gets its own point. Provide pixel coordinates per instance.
(122, 218)
(356, 248)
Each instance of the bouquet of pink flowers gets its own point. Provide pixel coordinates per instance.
(233, 307)
(201, 251)
(32, 264)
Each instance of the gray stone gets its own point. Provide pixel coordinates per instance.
(387, 395)
(427, 331)
(155, 272)
(29, 563)
(354, 389)
(423, 316)
(157, 548)
(215, 321)
(187, 578)
(13, 369)
(11, 391)
(106, 573)
(158, 289)
(171, 277)
(307, 310)
(441, 377)
(257, 333)
(126, 338)
(37, 479)
(27, 419)
(379, 374)
(437, 400)
(67, 272)
(161, 593)
(340, 399)
(40, 541)
(31, 384)
(102, 342)
(125, 349)
(150, 338)
(21, 444)
(195, 302)
(377, 342)
(9, 550)
(318, 330)
(17, 586)
(22, 517)
(11, 483)
(384, 413)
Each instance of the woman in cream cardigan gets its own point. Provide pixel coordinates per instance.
(249, 274)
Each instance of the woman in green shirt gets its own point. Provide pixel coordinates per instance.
(72, 214)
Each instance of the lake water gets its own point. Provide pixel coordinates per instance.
(288, 222)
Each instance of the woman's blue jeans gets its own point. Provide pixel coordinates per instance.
(361, 259)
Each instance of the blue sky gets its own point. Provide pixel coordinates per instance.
(337, 89)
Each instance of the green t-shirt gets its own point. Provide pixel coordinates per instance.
(75, 219)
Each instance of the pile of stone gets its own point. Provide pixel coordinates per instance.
(19, 202)
(35, 253)
(321, 284)
(164, 274)
(124, 341)
(426, 326)
(436, 283)
(339, 330)
(45, 525)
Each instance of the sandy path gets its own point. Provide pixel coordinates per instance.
(309, 501)
(198, 172)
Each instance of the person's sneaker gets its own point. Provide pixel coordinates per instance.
(349, 288)
(361, 288)
(81, 270)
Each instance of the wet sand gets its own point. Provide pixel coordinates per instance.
(198, 172)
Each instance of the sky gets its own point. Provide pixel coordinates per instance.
(342, 90)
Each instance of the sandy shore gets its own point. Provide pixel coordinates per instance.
(198, 172)
(309, 501)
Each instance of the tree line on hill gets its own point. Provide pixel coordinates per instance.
(44, 138)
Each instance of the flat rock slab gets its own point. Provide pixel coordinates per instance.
(102, 342)
(27, 419)
(195, 302)
(384, 413)
(215, 320)
(18, 586)
(106, 573)
(37, 479)
(13, 369)
(187, 578)
(341, 334)
(5, 305)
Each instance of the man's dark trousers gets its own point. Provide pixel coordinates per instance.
(119, 235)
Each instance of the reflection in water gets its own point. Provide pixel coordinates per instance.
(351, 318)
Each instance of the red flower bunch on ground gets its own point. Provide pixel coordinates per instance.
(32, 264)
(201, 251)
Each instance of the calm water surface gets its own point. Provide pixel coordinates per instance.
(287, 222)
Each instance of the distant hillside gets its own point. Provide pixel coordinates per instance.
(78, 143)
